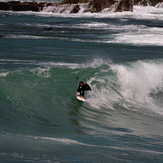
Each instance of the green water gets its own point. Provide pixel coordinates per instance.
(118, 54)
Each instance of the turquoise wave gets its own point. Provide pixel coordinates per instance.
(44, 95)
(39, 111)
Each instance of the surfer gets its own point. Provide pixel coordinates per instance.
(83, 87)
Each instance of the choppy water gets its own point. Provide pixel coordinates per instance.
(119, 54)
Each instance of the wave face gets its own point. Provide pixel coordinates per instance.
(38, 105)
(134, 86)
(43, 57)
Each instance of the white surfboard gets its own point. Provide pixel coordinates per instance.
(79, 97)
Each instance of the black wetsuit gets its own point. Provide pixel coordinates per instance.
(83, 88)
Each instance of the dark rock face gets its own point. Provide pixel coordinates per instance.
(99, 5)
(114, 5)
(74, 1)
(92, 5)
(126, 5)
(75, 9)
(74, 6)
(21, 6)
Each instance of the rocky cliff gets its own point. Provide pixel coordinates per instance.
(70, 6)
(78, 6)
(22, 6)
(75, 6)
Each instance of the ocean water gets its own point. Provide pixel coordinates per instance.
(44, 55)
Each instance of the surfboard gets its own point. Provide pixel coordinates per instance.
(79, 97)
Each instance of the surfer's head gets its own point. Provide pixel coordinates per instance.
(81, 83)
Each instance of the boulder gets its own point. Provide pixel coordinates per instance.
(74, 1)
(75, 6)
(75, 9)
(100, 5)
(125, 5)
(22, 6)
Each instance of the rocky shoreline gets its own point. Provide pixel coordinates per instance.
(78, 6)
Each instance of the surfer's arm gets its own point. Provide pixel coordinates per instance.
(78, 90)
(87, 87)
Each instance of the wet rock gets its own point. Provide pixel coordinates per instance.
(92, 5)
(75, 6)
(100, 5)
(22, 6)
(75, 9)
(125, 5)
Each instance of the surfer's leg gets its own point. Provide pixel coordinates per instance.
(82, 93)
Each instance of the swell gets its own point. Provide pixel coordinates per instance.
(44, 95)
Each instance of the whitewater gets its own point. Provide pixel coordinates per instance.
(43, 57)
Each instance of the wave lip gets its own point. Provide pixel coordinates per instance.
(135, 86)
